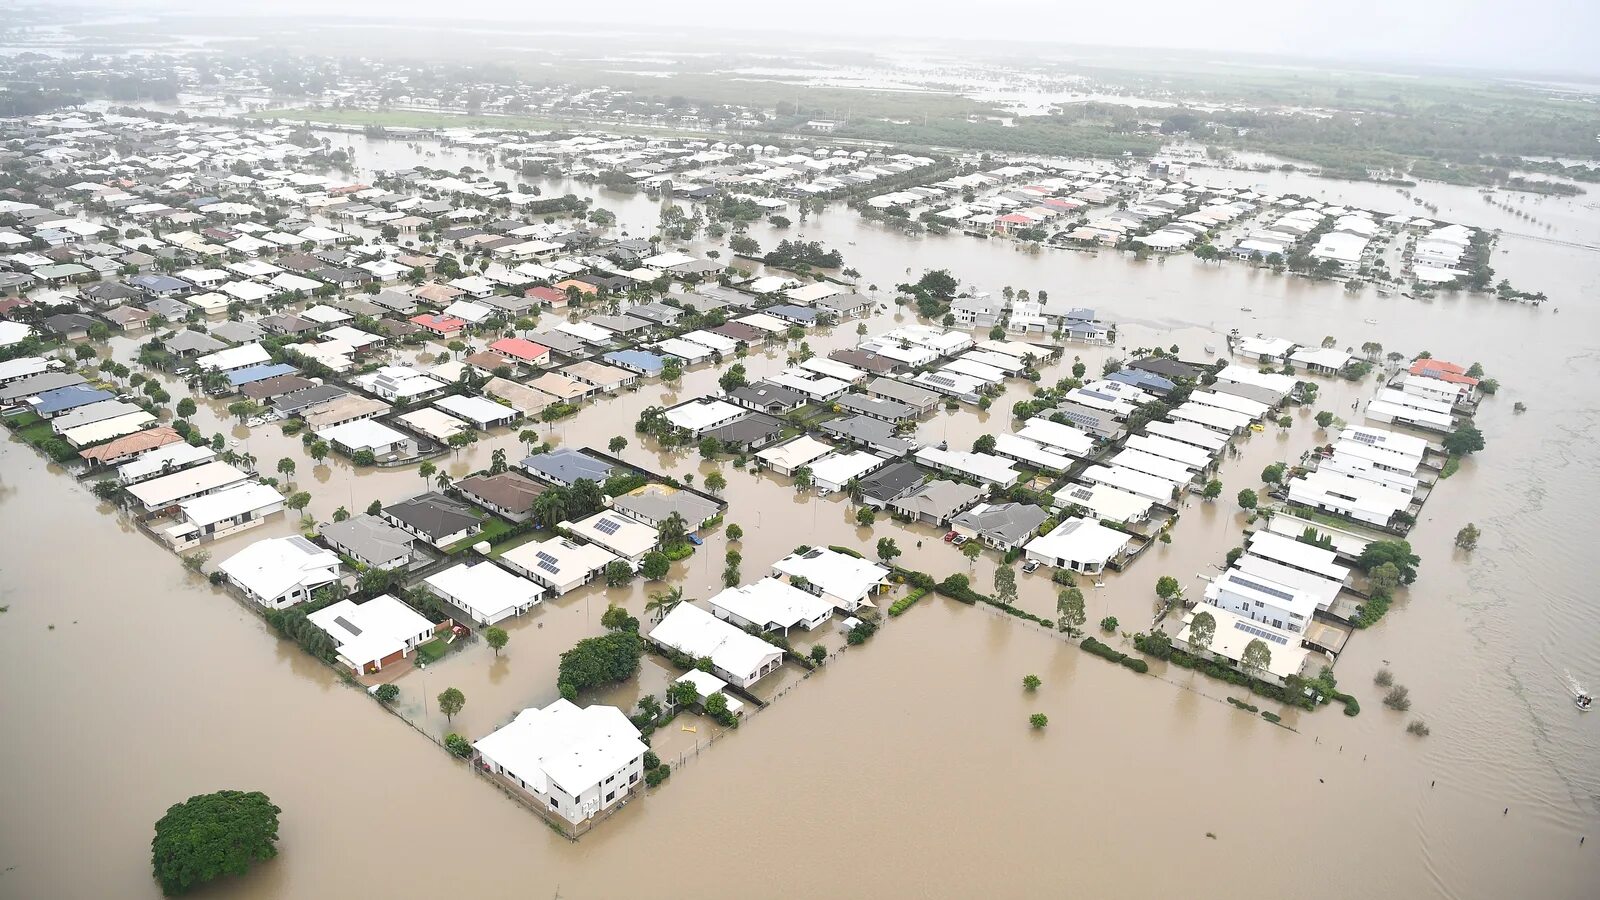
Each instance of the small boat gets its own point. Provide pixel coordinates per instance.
(1210, 349)
(1581, 698)
(1371, 321)
(1245, 309)
(1583, 702)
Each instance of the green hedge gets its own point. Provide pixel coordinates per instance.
(845, 550)
(906, 602)
(1117, 656)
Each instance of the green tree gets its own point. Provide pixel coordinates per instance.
(672, 369)
(426, 470)
(1463, 441)
(607, 659)
(663, 602)
(865, 516)
(496, 638)
(319, 450)
(1324, 419)
(802, 478)
(1466, 538)
(1256, 658)
(1005, 584)
(1213, 490)
(1038, 720)
(887, 549)
(682, 694)
(497, 461)
(617, 445)
(451, 702)
(1031, 682)
(1167, 587)
(1397, 552)
(186, 408)
(286, 468)
(340, 514)
(618, 573)
(971, 550)
(1273, 474)
(297, 501)
(1109, 624)
(108, 489)
(1069, 607)
(1202, 628)
(387, 693)
(672, 530)
(655, 565)
(734, 532)
(984, 444)
(716, 482)
(212, 835)
(1247, 499)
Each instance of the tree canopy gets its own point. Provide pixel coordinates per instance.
(212, 835)
(1398, 552)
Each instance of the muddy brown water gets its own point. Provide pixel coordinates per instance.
(905, 766)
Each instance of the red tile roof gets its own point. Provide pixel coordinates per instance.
(1444, 371)
(521, 348)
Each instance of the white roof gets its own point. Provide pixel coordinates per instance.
(235, 357)
(697, 633)
(176, 455)
(1281, 384)
(474, 409)
(572, 747)
(1297, 554)
(1064, 438)
(1323, 590)
(237, 500)
(362, 434)
(1159, 466)
(159, 492)
(795, 453)
(485, 590)
(1214, 417)
(984, 466)
(703, 414)
(1255, 589)
(1189, 433)
(1105, 501)
(106, 429)
(1369, 501)
(1080, 540)
(771, 602)
(840, 575)
(1188, 455)
(1034, 454)
(1386, 410)
(617, 533)
(272, 567)
(1407, 444)
(1141, 483)
(1235, 632)
(367, 633)
(558, 560)
(1255, 409)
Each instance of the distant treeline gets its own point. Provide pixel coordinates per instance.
(33, 103)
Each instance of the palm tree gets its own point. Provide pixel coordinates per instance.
(672, 530)
(443, 480)
(497, 461)
(663, 602)
(529, 437)
(550, 507)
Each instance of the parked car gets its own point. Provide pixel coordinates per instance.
(949, 536)
(960, 539)
(1030, 566)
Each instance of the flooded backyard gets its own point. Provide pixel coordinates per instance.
(904, 766)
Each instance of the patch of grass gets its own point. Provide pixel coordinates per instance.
(500, 548)
(432, 651)
(1451, 465)
(493, 527)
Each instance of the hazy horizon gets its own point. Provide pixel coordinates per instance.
(1466, 34)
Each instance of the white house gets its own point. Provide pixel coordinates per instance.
(225, 512)
(485, 591)
(841, 579)
(558, 564)
(623, 536)
(1274, 603)
(1078, 545)
(736, 656)
(280, 572)
(1235, 632)
(575, 761)
(374, 634)
(771, 605)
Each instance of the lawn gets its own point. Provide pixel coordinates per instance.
(493, 527)
(518, 541)
(432, 651)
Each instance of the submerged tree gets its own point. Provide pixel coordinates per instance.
(212, 835)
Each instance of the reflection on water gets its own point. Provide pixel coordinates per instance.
(906, 764)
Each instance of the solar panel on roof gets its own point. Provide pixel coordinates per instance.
(1247, 628)
(1282, 595)
(607, 526)
(547, 566)
(347, 625)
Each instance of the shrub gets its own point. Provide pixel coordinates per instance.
(1384, 678)
(658, 774)
(1136, 664)
(1271, 716)
(1038, 720)
(906, 602)
(1031, 682)
(1398, 698)
(818, 653)
(1109, 624)
(387, 693)
(458, 745)
(1418, 728)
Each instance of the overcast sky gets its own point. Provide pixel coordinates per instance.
(1549, 36)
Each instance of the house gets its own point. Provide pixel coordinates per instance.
(521, 351)
(439, 325)
(167, 491)
(1078, 545)
(1349, 496)
(565, 466)
(922, 400)
(764, 396)
(509, 494)
(368, 636)
(846, 581)
(1003, 526)
(881, 408)
(1103, 502)
(627, 538)
(874, 434)
(608, 379)
(485, 591)
(639, 362)
(770, 605)
(1233, 633)
(558, 564)
(434, 518)
(706, 684)
(736, 656)
(131, 446)
(481, 412)
(792, 455)
(367, 436)
(173, 457)
(750, 432)
(653, 504)
(575, 762)
(985, 467)
(370, 541)
(1262, 600)
(280, 572)
(216, 515)
(835, 471)
(703, 414)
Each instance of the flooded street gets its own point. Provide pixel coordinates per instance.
(905, 766)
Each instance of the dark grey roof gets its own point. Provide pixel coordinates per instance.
(654, 503)
(880, 407)
(893, 481)
(432, 514)
(1006, 523)
(187, 341)
(368, 538)
(296, 401)
(939, 499)
(874, 433)
(753, 430)
(1168, 368)
(765, 394)
(566, 466)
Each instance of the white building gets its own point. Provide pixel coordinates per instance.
(558, 564)
(371, 635)
(736, 656)
(280, 572)
(575, 761)
(1357, 498)
(770, 605)
(1078, 545)
(1262, 600)
(486, 592)
(623, 536)
(846, 581)
(1235, 632)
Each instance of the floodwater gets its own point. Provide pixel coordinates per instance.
(905, 766)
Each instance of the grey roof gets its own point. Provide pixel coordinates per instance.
(904, 393)
(755, 429)
(1249, 392)
(566, 466)
(297, 401)
(893, 481)
(368, 538)
(655, 503)
(880, 407)
(1006, 523)
(844, 303)
(1168, 368)
(656, 312)
(1093, 421)
(187, 341)
(874, 433)
(619, 324)
(763, 394)
(433, 514)
(940, 499)
(238, 332)
(560, 341)
(38, 384)
(867, 361)
(403, 303)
